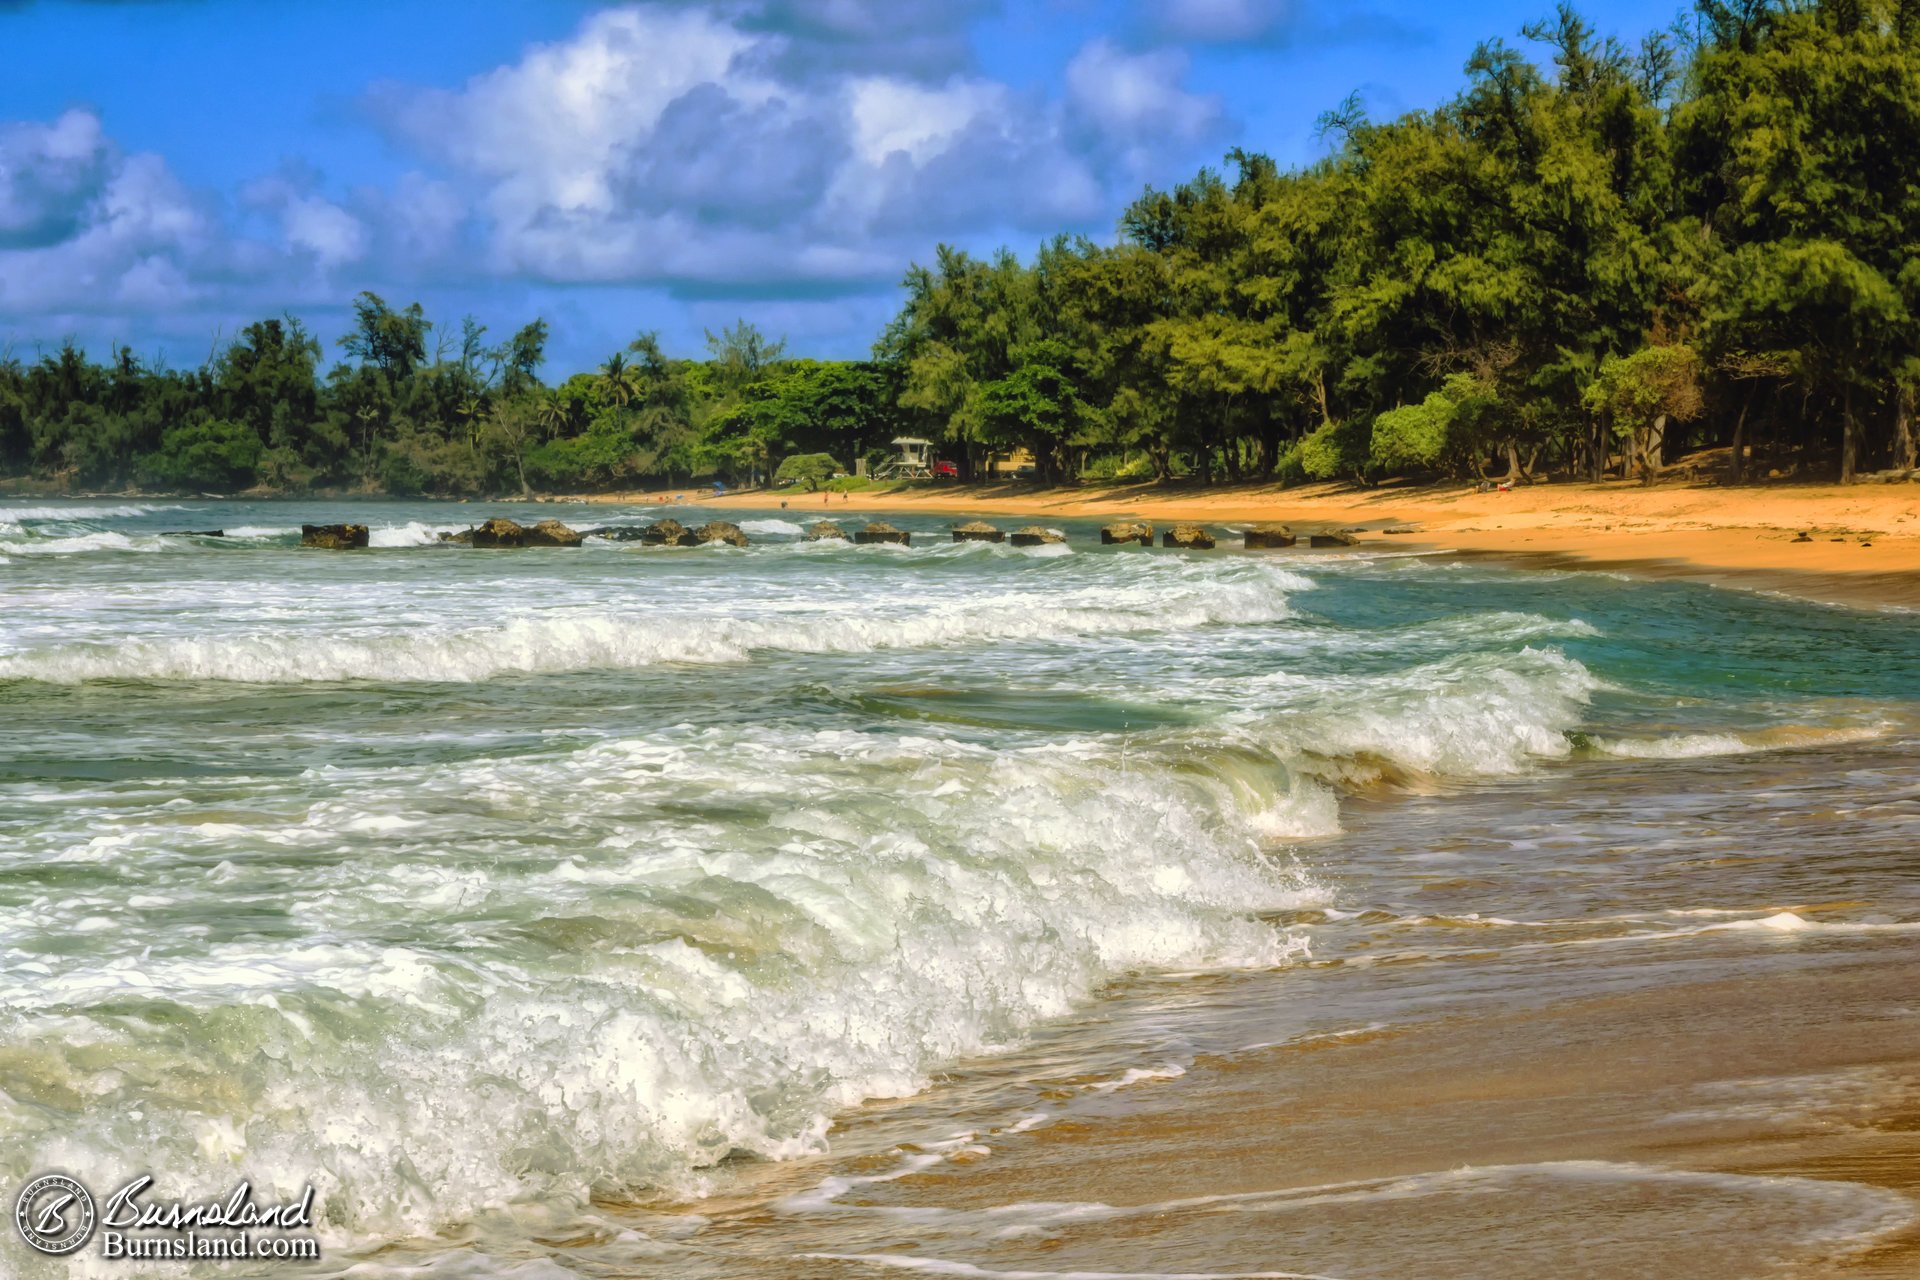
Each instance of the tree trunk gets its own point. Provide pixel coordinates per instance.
(1513, 462)
(1740, 441)
(1849, 438)
(1905, 447)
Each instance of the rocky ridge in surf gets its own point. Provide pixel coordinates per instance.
(1190, 537)
(977, 531)
(1261, 537)
(334, 537)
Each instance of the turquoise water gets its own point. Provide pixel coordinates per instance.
(452, 880)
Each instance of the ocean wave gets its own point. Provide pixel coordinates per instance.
(590, 641)
(414, 533)
(1695, 746)
(667, 993)
(84, 543)
(83, 511)
(781, 528)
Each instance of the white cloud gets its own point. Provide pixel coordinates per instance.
(678, 146)
(771, 153)
(311, 224)
(94, 228)
(890, 116)
(48, 175)
(1138, 95)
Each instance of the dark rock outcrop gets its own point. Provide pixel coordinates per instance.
(1334, 538)
(1190, 536)
(668, 533)
(721, 531)
(825, 529)
(497, 532)
(616, 532)
(977, 531)
(881, 531)
(1033, 536)
(551, 533)
(1127, 531)
(1262, 537)
(334, 537)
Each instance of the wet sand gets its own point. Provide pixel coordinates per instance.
(1520, 1080)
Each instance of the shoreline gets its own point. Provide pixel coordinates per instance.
(1861, 543)
(1862, 547)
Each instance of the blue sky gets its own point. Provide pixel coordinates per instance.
(171, 169)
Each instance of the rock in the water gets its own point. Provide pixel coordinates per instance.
(463, 538)
(334, 537)
(616, 532)
(668, 533)
(193, 533)
(881, 531)
(498, 532)
(721, 531)
(1127, 531)
(551, 533)
(1033, 536)
(1262, 537)
(1190, 536)
(825, 529)
(1336, 538)
(976, 531)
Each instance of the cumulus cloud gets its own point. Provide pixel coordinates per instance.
(797, 153)
(310, 224)
(84, 226)
(697, 148)
(49, 174)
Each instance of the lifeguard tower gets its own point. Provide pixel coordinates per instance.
(914, 463)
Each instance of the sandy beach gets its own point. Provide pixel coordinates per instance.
(1862, 541)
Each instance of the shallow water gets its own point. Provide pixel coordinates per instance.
(530, 903)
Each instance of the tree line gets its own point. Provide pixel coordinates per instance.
(1593, 262)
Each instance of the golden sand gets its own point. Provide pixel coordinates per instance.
(1862, 542)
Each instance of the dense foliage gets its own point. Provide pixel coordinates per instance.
(1593, 264)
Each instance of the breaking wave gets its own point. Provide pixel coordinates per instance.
(589, 641)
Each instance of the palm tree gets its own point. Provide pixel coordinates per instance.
(469, 411)
(617, 381)
(555, 412)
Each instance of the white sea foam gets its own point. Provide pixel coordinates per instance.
(82, 511)
(413, 533)
(84, 543)
(586, 641)
(1693, 746)
(781, 528)
(667, 992)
